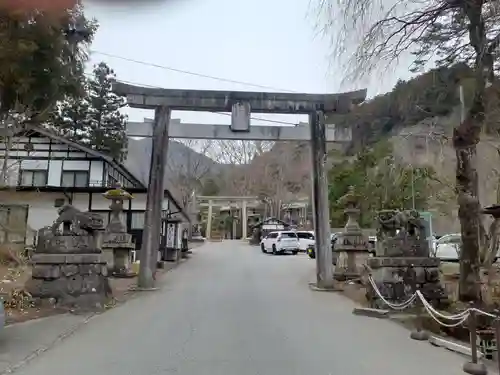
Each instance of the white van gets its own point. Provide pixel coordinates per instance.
(306, 238)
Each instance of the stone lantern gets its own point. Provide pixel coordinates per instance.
(117, 243)
(351, 247)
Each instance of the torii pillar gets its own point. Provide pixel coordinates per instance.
(240, 104)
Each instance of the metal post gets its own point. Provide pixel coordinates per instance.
(244, 220)
(208, 231)
(152, 220)
(321, 208)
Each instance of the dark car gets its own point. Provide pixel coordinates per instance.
(311, 251)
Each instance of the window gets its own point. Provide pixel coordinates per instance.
(112, 182)
(305, 235)
(33, 178)
(137, 220)
(288, 235)
(75, 179)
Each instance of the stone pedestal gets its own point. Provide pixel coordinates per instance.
(117, 247)
(117, 244)
(351, 247)
(402, 263)
(72, 280)
(171, 254)
(397, 277)
(68, 265)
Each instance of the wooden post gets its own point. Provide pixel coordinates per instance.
(154, 200)
(474, 367)
(321, 208)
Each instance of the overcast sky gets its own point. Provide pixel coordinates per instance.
(265, 42)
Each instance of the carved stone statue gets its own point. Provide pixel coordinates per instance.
(68, 265)
(76, 222)
(402, 246)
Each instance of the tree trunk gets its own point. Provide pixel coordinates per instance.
(465, 139)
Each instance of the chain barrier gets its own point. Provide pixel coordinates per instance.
(447, 320)
(395, 306)
(460, 318)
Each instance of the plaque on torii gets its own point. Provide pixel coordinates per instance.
(240, 104)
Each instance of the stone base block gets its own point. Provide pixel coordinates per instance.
(379, 262)
(350, 264)
(70, 284)
(396, 279)
(171, 254)
(371, 313)
(475, 368)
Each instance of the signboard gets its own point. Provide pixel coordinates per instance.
(170, 236)
(427, 218)
(273, 227)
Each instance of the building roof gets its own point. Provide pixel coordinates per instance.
(115, 164)
(269, 219)
(140, 187)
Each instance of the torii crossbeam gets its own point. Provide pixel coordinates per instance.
(241, 104)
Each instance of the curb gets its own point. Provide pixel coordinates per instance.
(43, 349)
(371, 313)
(315, 288)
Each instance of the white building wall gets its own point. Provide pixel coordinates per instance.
(55, 171)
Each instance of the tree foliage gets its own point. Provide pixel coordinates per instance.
(431, 94)
(94, 118)
(381, 181)
(374, 34)
(40, 62)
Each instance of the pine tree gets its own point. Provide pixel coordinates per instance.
(94, 119)
(71, 117)
(107, 125)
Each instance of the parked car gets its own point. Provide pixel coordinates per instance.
(306, 238)
(311, 248)
(448, 247)
(280, 242)
(2, 315)
(372, 243)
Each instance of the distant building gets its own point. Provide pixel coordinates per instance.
(46, 171)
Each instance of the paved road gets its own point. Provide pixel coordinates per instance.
(232, 310)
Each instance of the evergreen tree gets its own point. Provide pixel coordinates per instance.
(94, 119)
(107, 123)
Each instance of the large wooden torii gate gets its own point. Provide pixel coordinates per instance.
(241, 104)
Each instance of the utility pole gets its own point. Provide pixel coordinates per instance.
(154, 201)
(321, 207)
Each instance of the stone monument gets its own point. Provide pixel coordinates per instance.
(402, 263)
(67, 263)
(117, 243)
(351, 247)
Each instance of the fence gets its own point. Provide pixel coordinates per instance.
(451, 320)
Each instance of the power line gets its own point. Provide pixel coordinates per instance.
(164, 67)
(217, 113)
